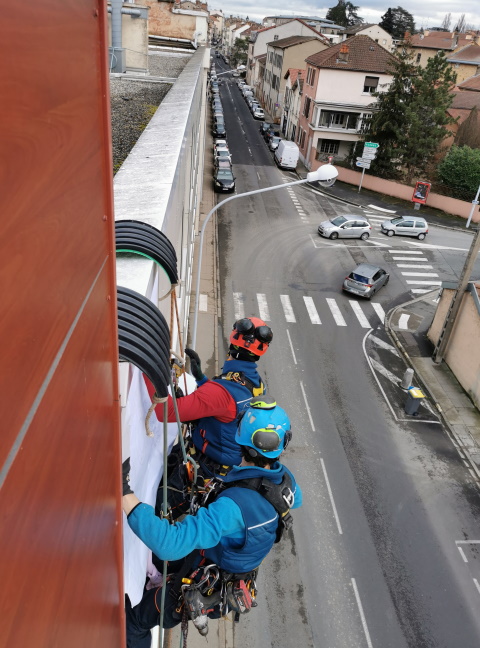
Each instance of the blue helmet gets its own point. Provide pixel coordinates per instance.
(264, 428)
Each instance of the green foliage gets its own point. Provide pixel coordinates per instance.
(344, 13)
(412, 119)
(460, 169)
(239, 54)
(397, 21)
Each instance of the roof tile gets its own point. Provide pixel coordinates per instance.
(364, 55)
(283, 43)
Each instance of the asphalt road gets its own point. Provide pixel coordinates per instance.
(383, 552)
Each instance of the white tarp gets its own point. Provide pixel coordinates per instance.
(146, 460)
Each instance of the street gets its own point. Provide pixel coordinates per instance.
(383, 551)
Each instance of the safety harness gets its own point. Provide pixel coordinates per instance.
(242, 379)
(200, 587)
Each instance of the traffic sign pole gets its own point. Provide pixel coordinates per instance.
(361, 180)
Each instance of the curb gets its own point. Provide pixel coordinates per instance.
(422, 380)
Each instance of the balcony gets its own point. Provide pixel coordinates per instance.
(340, 121)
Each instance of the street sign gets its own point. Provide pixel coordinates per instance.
(372, 145)
(364, 159)
(371, 154)
(363, 165)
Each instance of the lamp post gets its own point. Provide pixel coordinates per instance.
(474, 204)
(326, 175)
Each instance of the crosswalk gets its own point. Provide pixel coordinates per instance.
(319, 310)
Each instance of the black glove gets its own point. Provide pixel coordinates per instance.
(195, 364)
(126, 477)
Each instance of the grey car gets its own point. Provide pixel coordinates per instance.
(406, 226)
(366, 280)
(347, 226)
(274, 142)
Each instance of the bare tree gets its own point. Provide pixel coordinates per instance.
(447, 21)
(468, 133)
(461, 25)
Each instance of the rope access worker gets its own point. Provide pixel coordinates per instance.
(218, 551)
(215, 406)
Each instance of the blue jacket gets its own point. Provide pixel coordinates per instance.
(224, 528)
(216, 439)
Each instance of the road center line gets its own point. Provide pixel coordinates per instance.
(476, 585)
(362, 615)
(291, 347)
(308, 408)
(331, 496)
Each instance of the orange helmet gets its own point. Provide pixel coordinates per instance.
(252, 334)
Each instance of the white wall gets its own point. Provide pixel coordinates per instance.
(346, 87)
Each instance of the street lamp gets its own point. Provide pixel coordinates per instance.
(325, 175)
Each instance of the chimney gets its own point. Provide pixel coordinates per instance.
(343, 53)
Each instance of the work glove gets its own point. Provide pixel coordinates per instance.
(126, 490)
(195, 365)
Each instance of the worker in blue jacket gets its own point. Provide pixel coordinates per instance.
(235, 532)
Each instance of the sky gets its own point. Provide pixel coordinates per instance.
(429, 13)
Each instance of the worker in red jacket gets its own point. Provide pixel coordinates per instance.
(216, 404)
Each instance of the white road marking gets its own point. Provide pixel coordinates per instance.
(258, 175)
(438, 247)
(312, 311)
(419, 274)
(362, 615)
(238, 305)
(424, 283)
(388, 211)
(375, 243)
(384, 372)
(476, 585)
(457, 542)
(397, 251)
(409, 259)
(364, 323)
(263, 307)
(403, 321)
(337, 315)
(422, 290)
(379, 310)
(307, 406)
(384, 345)
(414, 266)
(287, 308)
(291, 347)
(337, 520)
(202, 303)
(462, 553)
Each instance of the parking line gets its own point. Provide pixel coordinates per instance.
(337, 315)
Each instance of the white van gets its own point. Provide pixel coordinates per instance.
(286, 155)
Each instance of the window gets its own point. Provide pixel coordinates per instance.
(371, 84)
(407, 224)
(306, 108)
(327, 146)
(419, 56)
(301, 138)
(275, 37)
(311, 76)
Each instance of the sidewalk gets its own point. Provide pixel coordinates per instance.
(457, 411)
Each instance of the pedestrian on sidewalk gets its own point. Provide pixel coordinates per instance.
(229, 537)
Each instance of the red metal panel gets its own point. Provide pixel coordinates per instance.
(60, 531)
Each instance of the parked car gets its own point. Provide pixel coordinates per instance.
(236, 73)
(220, 143)
(222, 155)
(406, 226)
(218, 129)
(347, 226)
(246, 88)
(218, 114)
(241, 83)
(247, 95)
(250, 101)
(258, 113)
(271, 132)
(366, 280)
(264, 127)
(274, 142)
(287, 154)
(223, 179)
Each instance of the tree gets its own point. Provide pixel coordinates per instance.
(461, 25)
(461, 169)
(345, 14)
(412, 119)
(447, 21)
(397, 21)
(468, 133)
(238, 55)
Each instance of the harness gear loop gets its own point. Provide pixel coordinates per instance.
(156, 400)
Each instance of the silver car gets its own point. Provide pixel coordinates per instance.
(347, 226)
(366, 280)
(274, 142)
(406, 226)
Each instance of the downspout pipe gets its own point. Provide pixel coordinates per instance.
(117, 53)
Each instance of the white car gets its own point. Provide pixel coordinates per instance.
(258, 113)
(222, 155)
